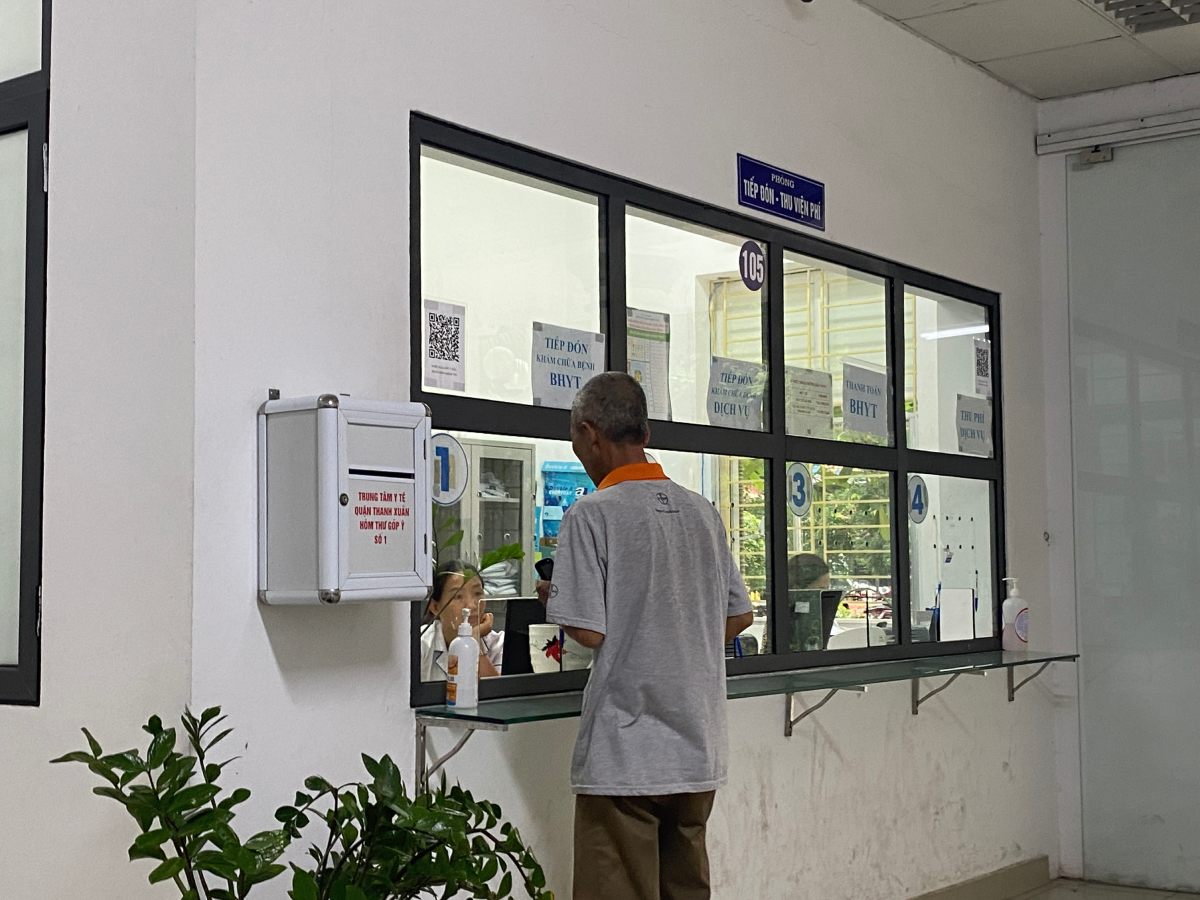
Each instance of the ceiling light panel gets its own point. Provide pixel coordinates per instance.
(1151, 15)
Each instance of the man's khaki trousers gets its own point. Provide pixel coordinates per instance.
(642, 848)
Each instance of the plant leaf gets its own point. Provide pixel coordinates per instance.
(304, 887)
(167, 870)
(214, 861)
(317, 783)
(239, 795)
(220, 737)
(112, 793)
(160, 748)
(128, 761)
(149, 845)
(75, 756)
(269, 845)
(92, 742)
(192, 797)
(371, 765)
(500, 554)
(267, 872)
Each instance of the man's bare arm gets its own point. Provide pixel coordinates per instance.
(589, 639)
(735, 625)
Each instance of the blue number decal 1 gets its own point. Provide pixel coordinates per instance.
(443, 456)
(450, 469)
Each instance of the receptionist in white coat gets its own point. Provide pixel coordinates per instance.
(453, 591)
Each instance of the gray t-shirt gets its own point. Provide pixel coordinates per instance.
(646, 564)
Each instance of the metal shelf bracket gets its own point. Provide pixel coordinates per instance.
(424, 770)
(790, 721)
(1013, 688)
(917, 699)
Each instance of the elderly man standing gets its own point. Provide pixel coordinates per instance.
(644, 576)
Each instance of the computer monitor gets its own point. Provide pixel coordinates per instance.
(519, 614)
(830, 601)
(812, 612)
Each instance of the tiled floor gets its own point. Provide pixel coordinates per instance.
(1077, 890)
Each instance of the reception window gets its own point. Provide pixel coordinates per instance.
(840, 412)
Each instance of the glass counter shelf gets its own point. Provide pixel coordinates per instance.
(499, 715)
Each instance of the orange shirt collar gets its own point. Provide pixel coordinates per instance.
(646, 471)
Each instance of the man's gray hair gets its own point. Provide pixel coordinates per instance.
(615, 405)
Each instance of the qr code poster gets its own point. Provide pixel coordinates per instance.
(445, 345)
(983, 367)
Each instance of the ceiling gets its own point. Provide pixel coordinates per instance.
(1054, 48)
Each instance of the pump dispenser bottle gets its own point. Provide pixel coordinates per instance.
(1016, 620)
(462, 668)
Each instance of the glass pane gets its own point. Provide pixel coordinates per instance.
(1135, 426)
(510, 275)
(839, 558)
(737, 488)
(950, 545)
(20, 37)
(13, 183)
(948, 385)
(517, 492)
(695, 324)
(838, 374)
(543, 707)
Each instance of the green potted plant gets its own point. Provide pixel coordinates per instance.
(370, 840)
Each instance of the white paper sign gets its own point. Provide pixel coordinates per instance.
(809, 402)
(973, 421)
(983, 367)
(648, 338)
(956, 614)
(864, 400)
(735, 392)
(380, 534)
(445, 345)
(563, 360)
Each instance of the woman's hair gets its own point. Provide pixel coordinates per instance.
(804, 569)
(445, 572)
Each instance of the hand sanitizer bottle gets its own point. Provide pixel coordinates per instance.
(462, 668)
(1016, 620)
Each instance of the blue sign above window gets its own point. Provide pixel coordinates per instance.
(781, 192)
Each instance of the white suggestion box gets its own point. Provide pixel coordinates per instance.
(343, 500)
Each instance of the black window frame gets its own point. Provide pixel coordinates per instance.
(25, 106)
(615, 195)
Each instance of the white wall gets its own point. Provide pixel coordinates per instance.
(117, 552)
(301, 282)
(1103, 107)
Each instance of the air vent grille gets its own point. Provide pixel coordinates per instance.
(1151, 15)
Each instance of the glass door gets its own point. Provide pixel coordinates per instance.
(503, 514)
(1135, 361)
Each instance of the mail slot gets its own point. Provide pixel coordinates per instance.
(343, 500)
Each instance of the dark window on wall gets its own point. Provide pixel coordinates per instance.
(24, 111)
(840, 411)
